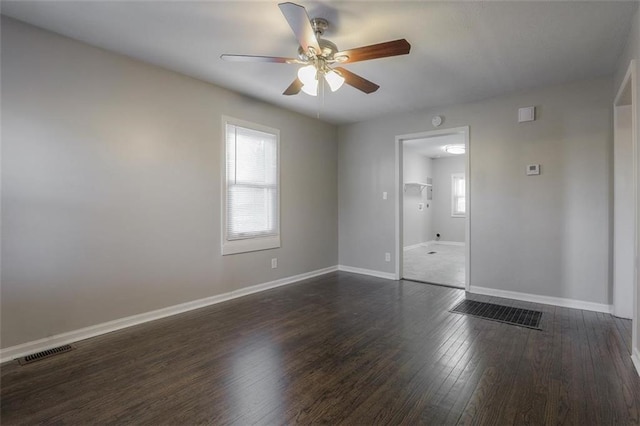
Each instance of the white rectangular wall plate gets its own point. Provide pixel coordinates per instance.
(533, 169)
(526, 114)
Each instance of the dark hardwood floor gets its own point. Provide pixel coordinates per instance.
(338, 349)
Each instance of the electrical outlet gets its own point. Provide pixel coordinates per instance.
(387, 257)
(274, 263)
(384, 195)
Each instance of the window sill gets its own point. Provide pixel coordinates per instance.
(250, 244)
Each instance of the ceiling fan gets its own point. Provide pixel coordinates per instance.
(317, 55)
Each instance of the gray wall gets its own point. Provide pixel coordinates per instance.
(545, 235)
(111, 188)
(632, 51)
(449, 228)
(417, 223)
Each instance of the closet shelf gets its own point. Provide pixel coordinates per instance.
(419, 185)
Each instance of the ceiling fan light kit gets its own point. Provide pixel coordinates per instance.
(317, 55)
(310, 76)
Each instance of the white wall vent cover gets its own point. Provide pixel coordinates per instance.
(526, 114)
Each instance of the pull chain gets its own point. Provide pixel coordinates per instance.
(320, 96)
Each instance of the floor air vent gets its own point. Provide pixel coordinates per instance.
(506, 314)
(44, 354)
(432, 252)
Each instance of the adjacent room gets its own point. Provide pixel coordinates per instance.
(390, 212)
(434, 208)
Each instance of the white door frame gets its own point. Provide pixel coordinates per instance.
(400, 191)
(630, 79)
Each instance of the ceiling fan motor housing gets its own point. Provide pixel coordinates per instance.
(328, 49)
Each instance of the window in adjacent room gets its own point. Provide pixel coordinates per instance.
(458, 200)
(250, 193)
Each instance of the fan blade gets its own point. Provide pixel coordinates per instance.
(299, 22)
(253, 58)
(375, 51)
(294, 88)
(356, 81)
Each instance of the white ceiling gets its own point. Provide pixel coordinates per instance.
(433, 147)
(461, 51)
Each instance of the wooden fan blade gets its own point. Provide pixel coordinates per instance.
(299, 22)
(253, 58)
(294, 88)
(375, 51)
(356, 81)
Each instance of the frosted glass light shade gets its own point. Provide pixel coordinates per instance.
(334, 79)
(308, 77)
(455, 149)
(310, 89)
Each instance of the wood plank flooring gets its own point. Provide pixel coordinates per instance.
(338, 349)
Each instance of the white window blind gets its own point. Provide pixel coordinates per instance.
(251, 189)
(458, 199)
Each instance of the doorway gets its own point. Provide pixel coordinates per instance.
(432, 214)
(625, 207)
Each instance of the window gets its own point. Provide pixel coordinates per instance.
(250, 193)
(458, 200)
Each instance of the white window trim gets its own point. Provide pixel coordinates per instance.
(453, 190)
(255, 243)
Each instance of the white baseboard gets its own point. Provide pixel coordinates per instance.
(547, 300)
(635, 357)
(370, 272)
(448, 243)
(23, 349)
(432, 242)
